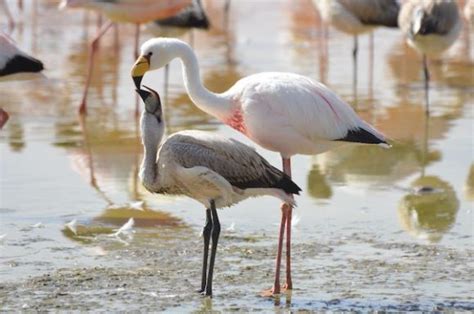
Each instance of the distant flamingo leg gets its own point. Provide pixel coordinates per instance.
(427, 85)
(166, 83)
(93, 49)
(289, 209)
(135, 49)
(371, 65)
(3, 118)
(354, 73)
(11, 21)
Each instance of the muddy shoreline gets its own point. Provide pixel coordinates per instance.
(162, 273)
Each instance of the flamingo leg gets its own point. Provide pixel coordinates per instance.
(276, 284)
(206, 234)
(135, 51)
(226, 14)
(289, 209)
(371, 65)
(93, 49)
(11, 21)
(3, 117)
(354, 73)
(216, 230)
(427, 84)
(166, 83)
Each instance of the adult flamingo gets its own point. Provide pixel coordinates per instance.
(283, 112)
(13, 61)
(123, 11)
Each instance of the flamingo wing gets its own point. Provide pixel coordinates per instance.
(238, 163)
(294, 110)
(374, 12)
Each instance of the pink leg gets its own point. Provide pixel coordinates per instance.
(103, 29)
(3, 118)
(289, 210)
(276, 284)
(371, 65)
(137, 39)
(11, 21)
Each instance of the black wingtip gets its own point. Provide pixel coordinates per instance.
(287, 185)
(360, 135)
(191, 17)
(20, 63)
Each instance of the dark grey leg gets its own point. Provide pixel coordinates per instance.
(354, 73)
(216, 230)
(206, 234)
(427, 85)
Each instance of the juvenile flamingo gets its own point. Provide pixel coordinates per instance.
(431, 27)
(283, 112)
(216, 171)
(356, 17)
(123, 11)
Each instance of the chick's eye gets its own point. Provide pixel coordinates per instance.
(150, 54)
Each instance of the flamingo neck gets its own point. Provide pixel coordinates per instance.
(149, 170)
(216, 105)
(151, 139)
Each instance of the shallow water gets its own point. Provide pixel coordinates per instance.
(375, 229)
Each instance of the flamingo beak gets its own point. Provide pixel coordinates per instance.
(143, 94)
(141, 66)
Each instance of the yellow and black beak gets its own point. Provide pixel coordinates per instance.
(141, 66)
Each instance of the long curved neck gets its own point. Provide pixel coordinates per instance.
(151, 139)
(215, 104)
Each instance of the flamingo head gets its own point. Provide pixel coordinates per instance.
(155, 54)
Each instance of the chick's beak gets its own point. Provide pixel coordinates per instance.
(141, 66)
(143, 94)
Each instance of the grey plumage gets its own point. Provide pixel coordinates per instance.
(238, 163)
(421, 17)
(374, 12)
(192, 16)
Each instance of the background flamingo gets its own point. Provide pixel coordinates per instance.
(12, 61)
(356, 18)
(123, 11)
(430, 27)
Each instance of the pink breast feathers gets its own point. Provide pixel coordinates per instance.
(236, 121)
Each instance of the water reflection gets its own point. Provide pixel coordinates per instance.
(469, 186)
(16, 136)
(372, 166)
(429, 214)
